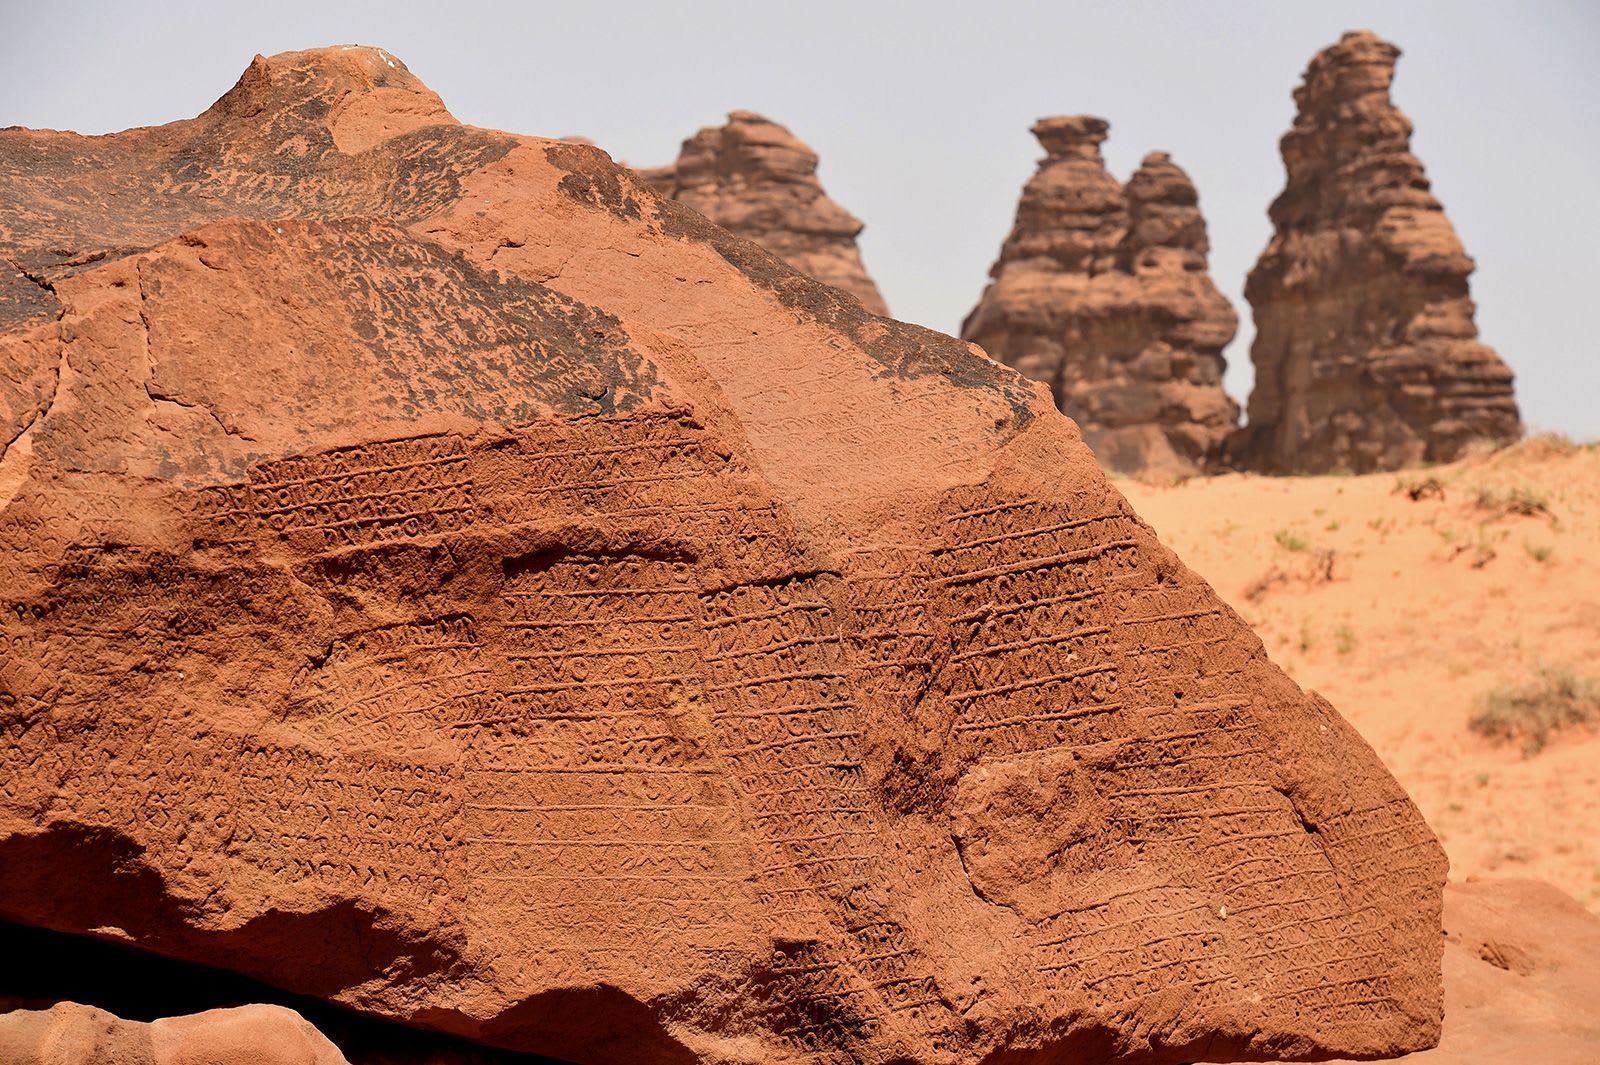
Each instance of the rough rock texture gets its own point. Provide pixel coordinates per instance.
(70, 1034)
(1101, 292)
(1366, 354)
(1521, 977)
(443, 578)
(755, 178)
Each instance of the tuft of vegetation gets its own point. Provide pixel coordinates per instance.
(1540, 552)
(1547, 445)
(1307, 642)
(1344, 639)
(1521, 501)
(1417, 490)
(1289, 541)
(1555, 699)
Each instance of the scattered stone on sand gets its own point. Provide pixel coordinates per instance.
(1366, 354)
(755, 178)
(1101, 292)
(445, 579)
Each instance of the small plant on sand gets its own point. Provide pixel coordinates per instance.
(1344, 639)
(1556, 698)
(1539, 552)
(1547, 445)
(1417, 489)
(1289, 541)
(1521, 501)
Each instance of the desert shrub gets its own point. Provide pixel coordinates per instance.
(1417, 490)
(1522, 501)
(1289, 541)
(1548, 445)
(1556, 698)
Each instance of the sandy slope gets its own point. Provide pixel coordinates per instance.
(1421, 607)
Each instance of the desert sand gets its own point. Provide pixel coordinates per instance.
(1404, 614)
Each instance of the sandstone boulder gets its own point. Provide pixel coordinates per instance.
(1101, 292)
(755, 178)
(443, 578)
(71, 1034)
(1366, 353)
(1521, 977)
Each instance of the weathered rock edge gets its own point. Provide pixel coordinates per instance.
(756, 179)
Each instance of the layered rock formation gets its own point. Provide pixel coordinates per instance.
(755, 178)
(1366, 354)
(445, 579)
(1101, 292)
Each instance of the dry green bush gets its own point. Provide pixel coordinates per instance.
(1555, 699)
(1417, 490)
(1522, 501)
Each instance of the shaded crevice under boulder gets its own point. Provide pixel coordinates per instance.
(642, 651)
(1101, 292)
(753, 177)
(1366, 353)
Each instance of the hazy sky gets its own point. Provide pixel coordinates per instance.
(920, 112)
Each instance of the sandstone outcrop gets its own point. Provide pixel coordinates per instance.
(755, 178)
(71, 1034)
(1521, 976)
(1366, 353)
(1101, 292)
(443, 578)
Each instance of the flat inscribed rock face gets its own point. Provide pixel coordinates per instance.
(1366, 353)
(443, 578)
(756, 179)
(1101, 292)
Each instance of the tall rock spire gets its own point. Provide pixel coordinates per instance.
(1366, 353)
(754, 177)
(1101, 292)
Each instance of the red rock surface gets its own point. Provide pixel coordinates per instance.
(445, 579)
(1521, 977)
(70, 1034)
(1101, 292)
(1366, 353)
(755, 178)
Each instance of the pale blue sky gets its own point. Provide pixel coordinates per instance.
(921, 111)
